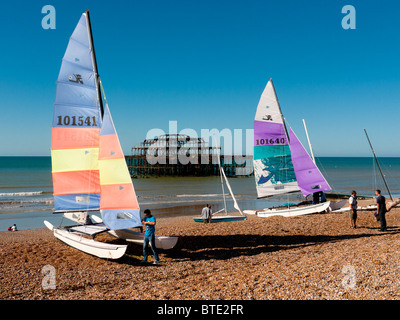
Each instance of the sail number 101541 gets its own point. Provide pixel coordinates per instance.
(76, 121)
(263, 142)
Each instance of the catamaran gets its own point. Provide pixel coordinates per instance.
(281, 163)
(89, 170)
(224, 217)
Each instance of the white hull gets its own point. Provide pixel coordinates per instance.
(296, 211)
(253, 212)
(162, 242)
(346, 209)
(338, 204)
(224, 218)
(90, 246)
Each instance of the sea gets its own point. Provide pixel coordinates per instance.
(26, 197)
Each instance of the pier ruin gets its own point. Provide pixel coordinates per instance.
(182, 155)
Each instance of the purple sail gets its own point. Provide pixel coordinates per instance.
(309, 178)
(269, 133)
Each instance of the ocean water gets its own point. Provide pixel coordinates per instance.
(26, 189)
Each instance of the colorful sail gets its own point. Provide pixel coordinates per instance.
(281, 165)
(273, 168)
(88, 166)
(76, 128)
(308, 176)
(118, 204)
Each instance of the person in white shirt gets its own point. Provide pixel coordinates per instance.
(206, 214)
(353, 209)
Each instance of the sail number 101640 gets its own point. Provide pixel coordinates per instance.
(76, 121)
(263, 142)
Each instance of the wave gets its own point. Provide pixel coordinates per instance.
(199, 195)
(33, 201)
(22, 194)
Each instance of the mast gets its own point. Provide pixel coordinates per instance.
(309, 143)
(280, 110)
(223, 191)
(96, 72)
(380, 170)
(221, 173)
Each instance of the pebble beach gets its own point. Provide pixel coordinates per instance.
(313, 257)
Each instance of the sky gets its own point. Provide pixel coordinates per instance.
(205, 63)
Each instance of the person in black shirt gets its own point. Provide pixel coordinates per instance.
(381, 209)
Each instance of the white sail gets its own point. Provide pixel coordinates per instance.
(235, 204)
(273, 168)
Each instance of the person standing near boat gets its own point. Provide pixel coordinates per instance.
(381, 209)
(353, 209)
(211, 213)
(206, 214)
(149, 236)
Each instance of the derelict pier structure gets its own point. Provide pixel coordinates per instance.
(182, 155)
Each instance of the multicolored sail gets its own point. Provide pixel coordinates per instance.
(273, 168)
(76, 128)
(88, 167)
(308, 176)
(118, 204)
(281, 165)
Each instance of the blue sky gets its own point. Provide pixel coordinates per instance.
(205, 63)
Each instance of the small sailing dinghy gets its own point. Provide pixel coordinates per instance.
(89, 170)
(281, 163)
(224, 217)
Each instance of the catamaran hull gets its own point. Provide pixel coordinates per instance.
(296, 211)
(346, 209)
(222, 218)
(162, 242)
(90, 246)
(254, 212)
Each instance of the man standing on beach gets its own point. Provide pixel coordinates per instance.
(353, 209)
(206, 214)
(149, 236)
(381, 209)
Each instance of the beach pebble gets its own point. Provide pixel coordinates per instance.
(304, 258)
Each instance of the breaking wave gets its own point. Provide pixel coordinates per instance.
(22, 194)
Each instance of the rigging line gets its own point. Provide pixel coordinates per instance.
(284, 159)
(389, 173)
(94, 61)
(379, 167)
(314, 159)
(374, 176)
(324, 172)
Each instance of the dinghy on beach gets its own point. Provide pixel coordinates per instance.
(89, 170)
(224, 217)
(281, 163)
